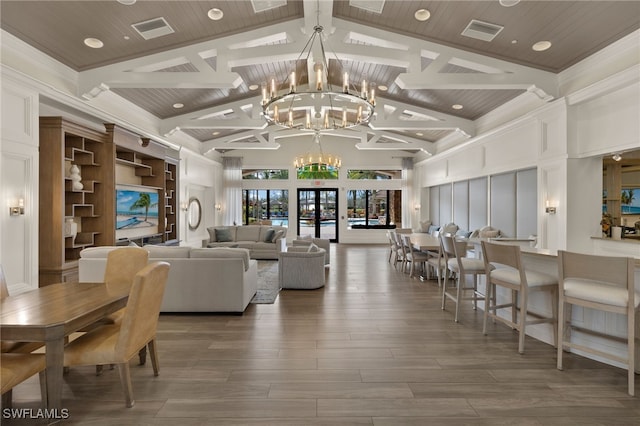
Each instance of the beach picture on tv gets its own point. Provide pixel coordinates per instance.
(630, 200)
(136, 212)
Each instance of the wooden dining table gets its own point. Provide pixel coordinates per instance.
(424, 242)
(50, 314)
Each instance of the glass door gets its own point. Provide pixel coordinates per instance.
(317, 213)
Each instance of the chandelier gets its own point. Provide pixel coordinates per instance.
(316, 157)
(293, 106)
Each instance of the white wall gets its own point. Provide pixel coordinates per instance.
(200, 177)
(19, 162)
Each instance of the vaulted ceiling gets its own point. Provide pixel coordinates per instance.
(420, 68)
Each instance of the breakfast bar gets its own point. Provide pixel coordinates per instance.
(588, 326)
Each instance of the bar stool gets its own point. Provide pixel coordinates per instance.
(604, 283)
(455, 260)
(504, 268)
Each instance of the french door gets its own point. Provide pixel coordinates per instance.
(317, 213)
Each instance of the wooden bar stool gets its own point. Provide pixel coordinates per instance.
(604, 283)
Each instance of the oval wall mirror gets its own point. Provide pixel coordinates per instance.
(194, 213)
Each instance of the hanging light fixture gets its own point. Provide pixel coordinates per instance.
(316, 157)
(320, 106)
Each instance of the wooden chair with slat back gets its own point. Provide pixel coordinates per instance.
(604, 283)
(118, 343)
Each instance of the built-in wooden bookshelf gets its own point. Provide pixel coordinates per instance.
(92, 208)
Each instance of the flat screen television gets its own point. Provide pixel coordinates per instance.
(136, 211)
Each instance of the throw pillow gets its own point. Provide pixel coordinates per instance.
(312, 248)
(268, 237)
(278, 234)
(212, 235)
(223, 235)
(425, 225)
(132, 244)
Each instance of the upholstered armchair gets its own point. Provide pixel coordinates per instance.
(300, 268)
(322, 243)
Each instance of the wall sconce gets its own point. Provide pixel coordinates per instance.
(550, 209)
(17, 210)
(218, 207)
(416, 207)
(184, 206)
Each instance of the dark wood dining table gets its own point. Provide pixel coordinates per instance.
(50, 314)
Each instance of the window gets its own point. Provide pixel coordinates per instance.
(317, 171)
(265, 174)
(373, 208)
(374, 174)
(261, 204)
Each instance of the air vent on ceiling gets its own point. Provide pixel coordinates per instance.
(153, 28)
(375, 6)
(262, 5)
(482, 30)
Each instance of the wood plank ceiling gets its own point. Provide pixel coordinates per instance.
(215, 68)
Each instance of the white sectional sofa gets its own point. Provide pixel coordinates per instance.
(200, 279)
(262, 241)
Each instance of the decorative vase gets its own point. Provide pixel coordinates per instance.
(70, 228)
(74, 172)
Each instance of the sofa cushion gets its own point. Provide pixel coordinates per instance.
(97, 252)
(268, 235)
(223, 235)
(168, 252)
(248, 233)
(262, 246)
(229, 244)
(222, 253)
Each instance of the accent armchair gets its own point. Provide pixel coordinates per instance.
(301, 269)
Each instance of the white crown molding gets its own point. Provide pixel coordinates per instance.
(612, 59)
(610, 84)
(24, 58)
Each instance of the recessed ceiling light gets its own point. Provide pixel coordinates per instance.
(178, 105)
(509, 3)
(216, 133)
(215, 14)
(457, 106)
(422, 14)
(127, 37)
(419, 134)
(253, 87)
(382, 87)
(514, 41)
(94, 43)
(127, 2)
(541, 46)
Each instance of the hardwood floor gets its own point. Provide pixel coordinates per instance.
(371, 348)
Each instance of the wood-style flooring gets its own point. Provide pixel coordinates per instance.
(373, 347)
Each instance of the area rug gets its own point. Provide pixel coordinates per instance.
(268, 286)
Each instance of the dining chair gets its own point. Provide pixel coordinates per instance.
(456, 261)
(415, 257)
(604, 283)
(393, 248)
(503, 268)
(15, 368)
(118, 343)
(122, 266)
(402, 252)
(436, 263)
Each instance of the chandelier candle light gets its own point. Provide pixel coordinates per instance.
(320, 109)
(316, 156)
